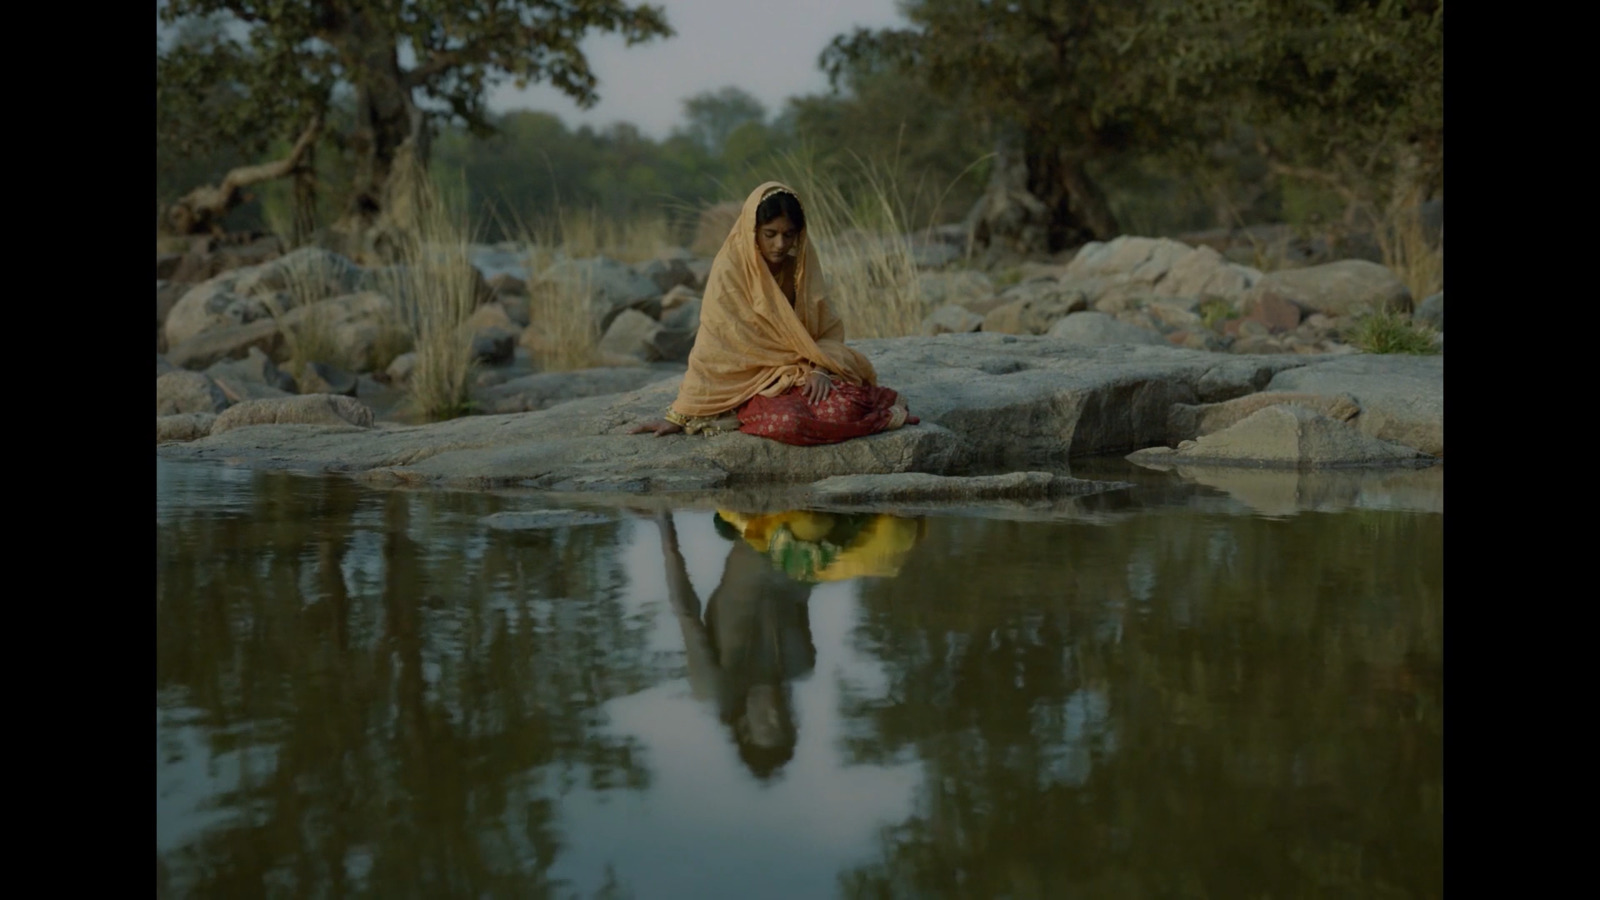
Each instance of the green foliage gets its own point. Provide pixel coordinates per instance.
(1071, 73)
(300, 49)
(1387, 331)
(215, 90)
(534, 171)
(1213, 311)
(713, 116)
(896, 123)
(1224, 93)
(1185, 115)
(1348, 95)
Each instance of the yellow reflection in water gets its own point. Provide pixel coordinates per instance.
(818, 546)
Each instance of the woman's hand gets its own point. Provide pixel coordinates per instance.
(817, 387)
(659, 426)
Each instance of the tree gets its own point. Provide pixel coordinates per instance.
(405, 65)
(895, 123)
(1073, 84)
(1052, 77)
(1347, 94)
(713, 115)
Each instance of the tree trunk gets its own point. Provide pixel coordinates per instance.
(1040, 199)
(1008, 218)
(1078, 209)
(304, 202)
(389, 142)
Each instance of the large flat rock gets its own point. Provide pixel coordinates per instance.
(1401, 397)
(1284, 435)
(988, 403)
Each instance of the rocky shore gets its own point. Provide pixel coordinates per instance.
(1171, 354)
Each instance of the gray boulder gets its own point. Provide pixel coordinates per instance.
(1128, 266)
(1283, 435)
(266, 334)
(321, 378)
(168, 293)
(494, 334)
(684, 318)
(1231, 378)
(242, 296)
(1038, 307)
(1174, 316)
(506, 284)
(255, 368)
(188, 392)
(701, 267)
(951, 319)
(309, 409)
(678, 297)
(308, 270)
(634, 334)
(961, 287)
(933, 255)
(401, 367)
(1206, 273)
(987, 402)
(1431, 312)
(546, 389)
(610, 286)
(1342, 288)
(667, 274)
(495, 346)
(1401, 397)
(1096, 329)
(1189, 421)
(183, 427)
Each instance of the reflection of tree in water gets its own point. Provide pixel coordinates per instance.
(1171, 704)
(754, 637)
(413, 694)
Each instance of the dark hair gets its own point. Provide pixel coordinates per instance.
(784, 204)
(724, 527)
(764, 762)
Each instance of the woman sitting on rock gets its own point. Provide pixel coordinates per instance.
(770, 358)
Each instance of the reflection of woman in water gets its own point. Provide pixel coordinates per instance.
(756, 637)
(756, 634)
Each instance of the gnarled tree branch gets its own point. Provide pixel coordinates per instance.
(202, 210)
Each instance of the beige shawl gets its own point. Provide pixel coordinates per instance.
(751, 341)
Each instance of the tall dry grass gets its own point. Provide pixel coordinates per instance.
(1407, 250)
(562, 331)
(434, 281)
(636, 238)
(561, 316)
(312, 335)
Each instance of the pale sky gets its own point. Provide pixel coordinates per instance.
(767, 47)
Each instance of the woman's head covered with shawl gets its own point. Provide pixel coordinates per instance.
(751, 340)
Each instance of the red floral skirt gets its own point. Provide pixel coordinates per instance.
(850, 411)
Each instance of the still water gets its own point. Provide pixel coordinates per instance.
(1227, 690)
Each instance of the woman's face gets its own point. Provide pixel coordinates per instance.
(775, 239)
